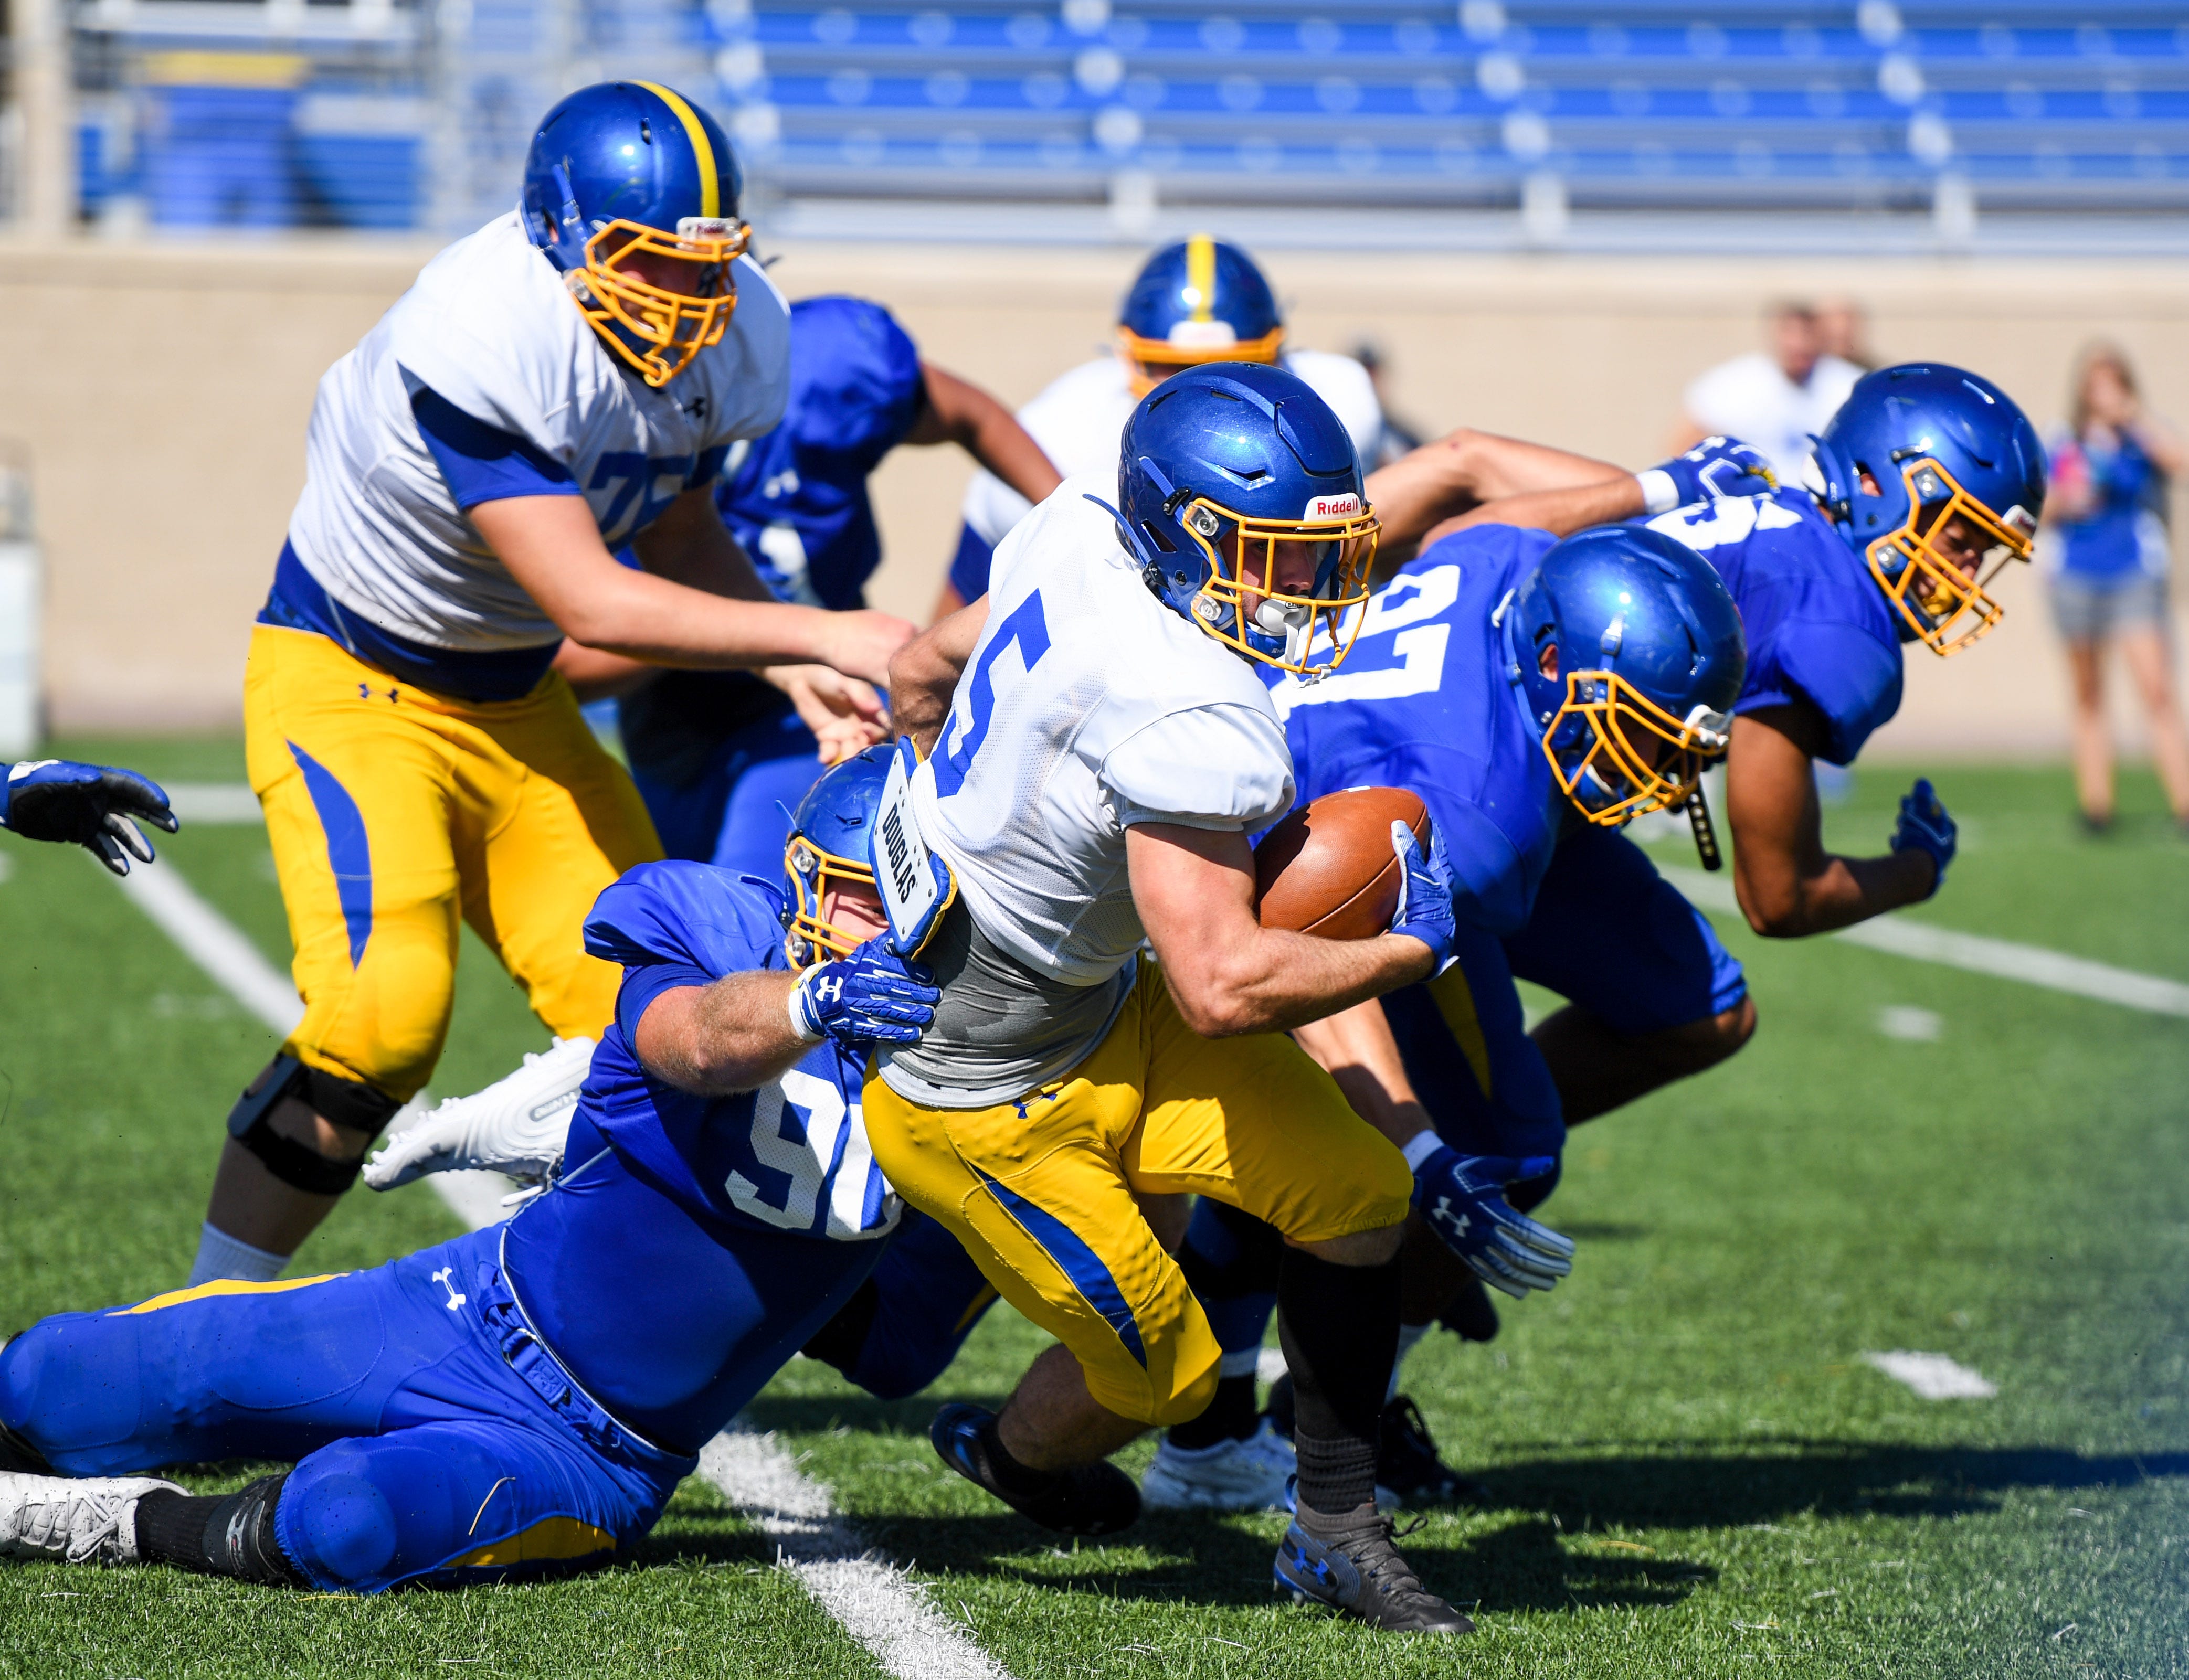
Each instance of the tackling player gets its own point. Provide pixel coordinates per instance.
(1198, 301)
(569, 378)
(522, 1401)
(93, 806)
(1099, 748)
(721, 757)
(1927, 480)
(1524, 689)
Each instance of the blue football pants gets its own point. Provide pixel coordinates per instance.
(1611, 934)
(434, 1438)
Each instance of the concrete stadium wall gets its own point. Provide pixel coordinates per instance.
(161, 392)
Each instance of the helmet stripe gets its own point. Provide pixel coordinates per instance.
(1201, 275)
(710, 183)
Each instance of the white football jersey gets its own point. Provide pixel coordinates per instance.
(489, 326)
(1080, 418)
(1088, 706)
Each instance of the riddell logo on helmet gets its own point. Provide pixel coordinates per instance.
(1320, 509)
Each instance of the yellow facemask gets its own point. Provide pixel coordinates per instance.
(670, 328)
(1955, 611)
(1609, 781)
(1141, 354)
(1351, 527)
(814, 872)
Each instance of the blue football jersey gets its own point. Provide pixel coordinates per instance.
(1818, 627)
(792, 1156)
(797, 498)
(1424, 700)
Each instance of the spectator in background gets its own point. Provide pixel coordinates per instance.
(1773, 397)
(1844, 325)
(2108, 507)
(1399, 436)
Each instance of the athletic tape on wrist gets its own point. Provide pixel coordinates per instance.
(1419, 1147)
(803, 1027)
(1660, 493)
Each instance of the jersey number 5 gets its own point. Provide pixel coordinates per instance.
(1030, 631)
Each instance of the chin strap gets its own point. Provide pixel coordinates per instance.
(1705, 831)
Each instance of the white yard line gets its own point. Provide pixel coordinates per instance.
(1932, 1375)
(2032, 965)
(881, 1607)
(878, 1605)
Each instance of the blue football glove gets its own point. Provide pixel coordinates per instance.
(1462, 1197)
(1424, 911)
(1924, 826)
(1719, 466)
(86, 805)
(871, 997)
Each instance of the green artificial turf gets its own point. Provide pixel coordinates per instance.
(1690, 1469)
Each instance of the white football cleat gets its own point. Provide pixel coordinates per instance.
(1233, 1475)
(516, 1126)
(92, 1519)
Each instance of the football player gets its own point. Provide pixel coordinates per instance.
(93, 806)
(1198, 301)
(569, 378)
(721, 757)
(1927, 481)
(1523, 688)
(1098, 746)
(906, 1321)
(523, 1400)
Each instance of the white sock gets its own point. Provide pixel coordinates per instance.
(220, 1255)
(1410, 1336)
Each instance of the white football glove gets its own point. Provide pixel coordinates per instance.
(516, 1126)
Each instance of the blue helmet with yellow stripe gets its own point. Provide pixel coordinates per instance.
(632, 191)
(1198, 301)
(831, 833)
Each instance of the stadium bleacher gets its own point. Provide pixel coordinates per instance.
(405, 115)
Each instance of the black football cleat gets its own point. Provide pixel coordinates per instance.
(1352, 1566)
(1088, 1499)
(1407, 1463)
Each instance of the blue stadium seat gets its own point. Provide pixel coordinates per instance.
(1628, 101)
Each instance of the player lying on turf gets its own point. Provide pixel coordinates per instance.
(94, 806)
(907, 1319)
(1197, 302)
(523, 1400)
(1926, 480)
(1523, 689)
(1100, 747)
(722, 757)
(568, 379)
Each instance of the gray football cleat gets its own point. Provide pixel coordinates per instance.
(1352, 1567)
(77, 1520)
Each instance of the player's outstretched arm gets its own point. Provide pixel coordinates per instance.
(1463, 469)
(1229, 974)
(552, 546)
(1787, 884)
(745, 1030)
(959, 412)
(923, 674)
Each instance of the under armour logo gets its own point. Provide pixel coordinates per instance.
(696, 407)
(1442, 1217)
(829, 989)
(456, 1298)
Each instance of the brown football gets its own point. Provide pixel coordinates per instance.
(1330, 871)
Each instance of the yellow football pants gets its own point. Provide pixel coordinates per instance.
(392, 810)
(1041, 1191)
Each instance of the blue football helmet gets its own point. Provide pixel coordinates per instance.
(1631, 654)
(625, 171)
(828, 849)
(1956, 479)
(1225, 468)
(1197, 302)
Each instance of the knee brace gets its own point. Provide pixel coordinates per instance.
(349, 1103)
